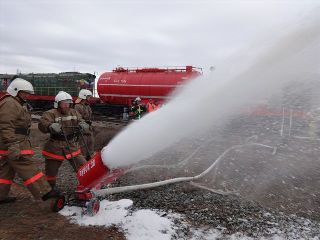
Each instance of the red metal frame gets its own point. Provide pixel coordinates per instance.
(94, 175)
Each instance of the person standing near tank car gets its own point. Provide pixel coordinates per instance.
(83, 107)
(151, 106)
(63, 123)
(16, 154)
(137, 109)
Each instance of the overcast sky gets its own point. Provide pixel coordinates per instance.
(99, 35)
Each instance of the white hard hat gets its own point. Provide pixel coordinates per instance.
(19, 84)
(84, 93)
(62, 96)
(138, 99)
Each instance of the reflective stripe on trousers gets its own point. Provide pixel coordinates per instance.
(5, 181)
(33, 179)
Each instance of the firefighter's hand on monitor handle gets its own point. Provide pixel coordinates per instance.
(84, 126)
(55, 128)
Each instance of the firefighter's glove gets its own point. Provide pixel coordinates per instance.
(13, 152)
(55, 128)
(84, 126)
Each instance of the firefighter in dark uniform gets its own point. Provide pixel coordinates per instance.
(63, 123)
(137, 109)
(16, 155)
(83, 107)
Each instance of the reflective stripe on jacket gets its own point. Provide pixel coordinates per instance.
(61, 157)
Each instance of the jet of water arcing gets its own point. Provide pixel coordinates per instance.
(206, 102)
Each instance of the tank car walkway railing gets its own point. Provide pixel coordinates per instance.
(158, 69)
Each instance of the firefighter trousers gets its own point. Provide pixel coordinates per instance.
(27, 169)
(88, 141)
(52, 167)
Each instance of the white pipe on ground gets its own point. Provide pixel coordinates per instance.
(109, 191)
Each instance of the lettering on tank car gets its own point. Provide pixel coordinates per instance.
(119, 80)
(87, 168)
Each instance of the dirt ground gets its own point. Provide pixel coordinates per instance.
(28, 219)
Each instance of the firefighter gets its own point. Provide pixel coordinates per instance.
(16, 155)
(137, 109)
(83, 107)
(63, 123)
(157, 104)
(151, 106)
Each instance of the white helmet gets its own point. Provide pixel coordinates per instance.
(138, 99)
(19, 84)
(62, 96)
(84, 93)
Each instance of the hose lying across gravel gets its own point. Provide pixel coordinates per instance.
(108, 191)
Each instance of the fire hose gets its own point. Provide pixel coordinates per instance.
(101, 193)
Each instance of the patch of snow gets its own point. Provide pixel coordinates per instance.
(137, 225)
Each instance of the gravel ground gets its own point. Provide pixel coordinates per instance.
(230, 214)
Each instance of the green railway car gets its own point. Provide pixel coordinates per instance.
(47, 85)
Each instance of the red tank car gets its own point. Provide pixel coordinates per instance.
(123, 85)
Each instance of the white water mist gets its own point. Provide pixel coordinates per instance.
(209, 101)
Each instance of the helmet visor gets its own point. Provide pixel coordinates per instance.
(67, 101)
(27, 91)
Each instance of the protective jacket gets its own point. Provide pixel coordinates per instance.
(66, 144)
(151, 107)
(15, 121)
(85, 111)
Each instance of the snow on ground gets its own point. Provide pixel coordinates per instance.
(142, 224)
(145, 224)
